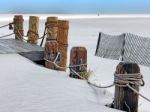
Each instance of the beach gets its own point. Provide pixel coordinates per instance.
(83, 31)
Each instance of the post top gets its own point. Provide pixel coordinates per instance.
(53, 18)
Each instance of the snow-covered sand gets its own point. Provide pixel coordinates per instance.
(26, 87)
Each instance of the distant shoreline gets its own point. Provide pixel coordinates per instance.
(8, 17)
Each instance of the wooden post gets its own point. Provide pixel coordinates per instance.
(52, 28)
(51, 45)
(125, 99)
(33, 30)
(62, 39)
(18, 27)
(78, 56)
(50, 54)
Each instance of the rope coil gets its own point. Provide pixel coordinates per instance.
(123, 79)
(50, 24)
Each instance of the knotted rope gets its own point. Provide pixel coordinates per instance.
(126, 80)
(123, 80)
(57, 66)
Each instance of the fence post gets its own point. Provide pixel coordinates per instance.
(125, 99)
(78, 62)
(50, 54)
(52, 28)
(18, 27)
(62, 39)
(51, 45)
(33, 30)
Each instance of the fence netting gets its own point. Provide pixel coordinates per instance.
(137, 49)
(126, 47)
(110, 46)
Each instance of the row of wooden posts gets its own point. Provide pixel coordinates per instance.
(56, 32)
(56, 46)
(54, 29)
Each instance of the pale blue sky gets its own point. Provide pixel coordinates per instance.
(75, 6)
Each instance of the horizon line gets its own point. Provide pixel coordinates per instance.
(8, 17)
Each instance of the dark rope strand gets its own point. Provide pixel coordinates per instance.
(6, 35)
(4, 26)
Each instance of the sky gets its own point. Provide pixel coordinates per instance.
(76, 6)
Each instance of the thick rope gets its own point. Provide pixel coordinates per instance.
(76, 73)
(63, 67)
(121, 80)
(138, 93)
(52, 30)
(43, 37)
(98, 86)
(124, 80)
(128, 107)
(20, 35)
(7, 35)
(54, 62)
(4, 25)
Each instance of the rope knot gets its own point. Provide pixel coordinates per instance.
(123, 80)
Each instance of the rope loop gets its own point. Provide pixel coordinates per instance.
(124, 79)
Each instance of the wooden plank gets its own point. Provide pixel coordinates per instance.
(30, 51)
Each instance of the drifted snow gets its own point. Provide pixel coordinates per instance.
(27, 87)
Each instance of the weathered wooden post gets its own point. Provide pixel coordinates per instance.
(62, 39)
(52, 28)
(78, 62)
(18, 27)
(50, 53)
(33, 30)
(51, 45)
(125, 98)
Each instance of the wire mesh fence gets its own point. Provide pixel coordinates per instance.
(126, 47)
(137, 49)
(110, 46)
